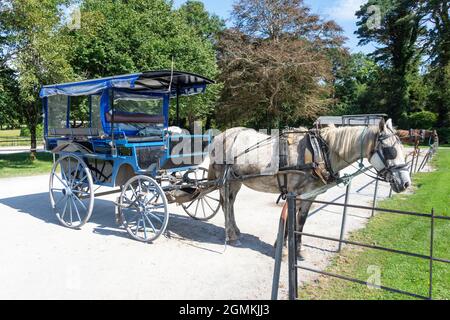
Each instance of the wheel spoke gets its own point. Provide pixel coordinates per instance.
(70, 172)
(207, 203)
(57, 202)
(70, 208)
(80, 182)
(64, 210)
(137, 226)
(217, 200)
(75, 174)
(154, 196)
(64, 184)
(190, 204)
(196, 208)
(81, 202)
(203, 207)
(76, 209)
(151, 224)
(145, 229)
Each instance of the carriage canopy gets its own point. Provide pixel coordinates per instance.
(181, 83)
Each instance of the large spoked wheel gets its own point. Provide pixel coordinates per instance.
(71, 191)
(206, 206)
(143, 209)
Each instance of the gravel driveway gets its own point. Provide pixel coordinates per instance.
(41, 259)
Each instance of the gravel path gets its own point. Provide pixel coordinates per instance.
(41, 259)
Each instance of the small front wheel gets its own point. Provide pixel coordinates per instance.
(205, 206)
(143, 209)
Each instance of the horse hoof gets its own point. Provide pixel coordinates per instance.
(234, 243)
(301, 255)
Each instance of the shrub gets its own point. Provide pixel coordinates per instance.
(422, 120)
(444, 135)
(25, 132)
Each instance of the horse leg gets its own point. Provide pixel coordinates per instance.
(227, 197)
(302, 216)
(235, 187)
(286, 229)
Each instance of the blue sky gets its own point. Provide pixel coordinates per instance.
(342, 11)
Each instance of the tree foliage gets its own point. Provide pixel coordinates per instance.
(275, 64)
(36, 50)
(118, 37)
(398, 47)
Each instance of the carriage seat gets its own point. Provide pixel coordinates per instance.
(128, 117)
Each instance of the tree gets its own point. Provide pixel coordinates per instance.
(438, 15)
(9, 115)
(275, 63)
(401, 27)
(207, 25)
(36, 50)
(118, 37)
(355, 85)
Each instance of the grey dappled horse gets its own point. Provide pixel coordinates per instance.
(236, 150)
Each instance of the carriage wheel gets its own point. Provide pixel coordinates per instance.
(71, 191)
(205, 207)
(143, 209)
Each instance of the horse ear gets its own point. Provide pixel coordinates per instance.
(389, 125)
(382, 125)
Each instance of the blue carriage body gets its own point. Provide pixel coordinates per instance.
(127, 129)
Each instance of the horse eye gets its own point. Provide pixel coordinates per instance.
(390, 153)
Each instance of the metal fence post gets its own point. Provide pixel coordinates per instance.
(344, 215)
(375, 195)
(412, 163)
(279, 253)
(291, 198)
(431, 254)
(417, 159)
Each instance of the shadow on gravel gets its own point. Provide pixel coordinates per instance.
(182, 228)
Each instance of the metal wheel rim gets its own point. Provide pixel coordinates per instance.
(71, 191)
(143, 208)
(205, 207)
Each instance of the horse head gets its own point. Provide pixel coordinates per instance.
(388, 158)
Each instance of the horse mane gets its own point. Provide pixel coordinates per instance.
(345, 143)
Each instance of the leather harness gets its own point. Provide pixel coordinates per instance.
(316, 159)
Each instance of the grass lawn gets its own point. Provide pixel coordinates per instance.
(398, 232)
(9, 133)
(7, 137)
(13, 165)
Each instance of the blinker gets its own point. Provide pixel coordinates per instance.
(390, 153)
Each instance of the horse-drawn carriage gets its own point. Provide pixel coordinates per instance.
(114, 132)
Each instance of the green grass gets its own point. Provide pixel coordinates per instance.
(406, 233)
(13, 165)
(7, 137)
(9, 133)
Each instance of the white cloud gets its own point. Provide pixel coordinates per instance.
(344, 10)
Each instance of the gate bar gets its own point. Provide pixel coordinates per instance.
(382, 210)
(362, 282)
(369, 246)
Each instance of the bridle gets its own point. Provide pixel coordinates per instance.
(382, 156)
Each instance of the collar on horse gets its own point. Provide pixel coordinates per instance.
(317, 157)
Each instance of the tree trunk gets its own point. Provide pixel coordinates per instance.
(32, 127)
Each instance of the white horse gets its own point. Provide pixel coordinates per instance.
(252, 159)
